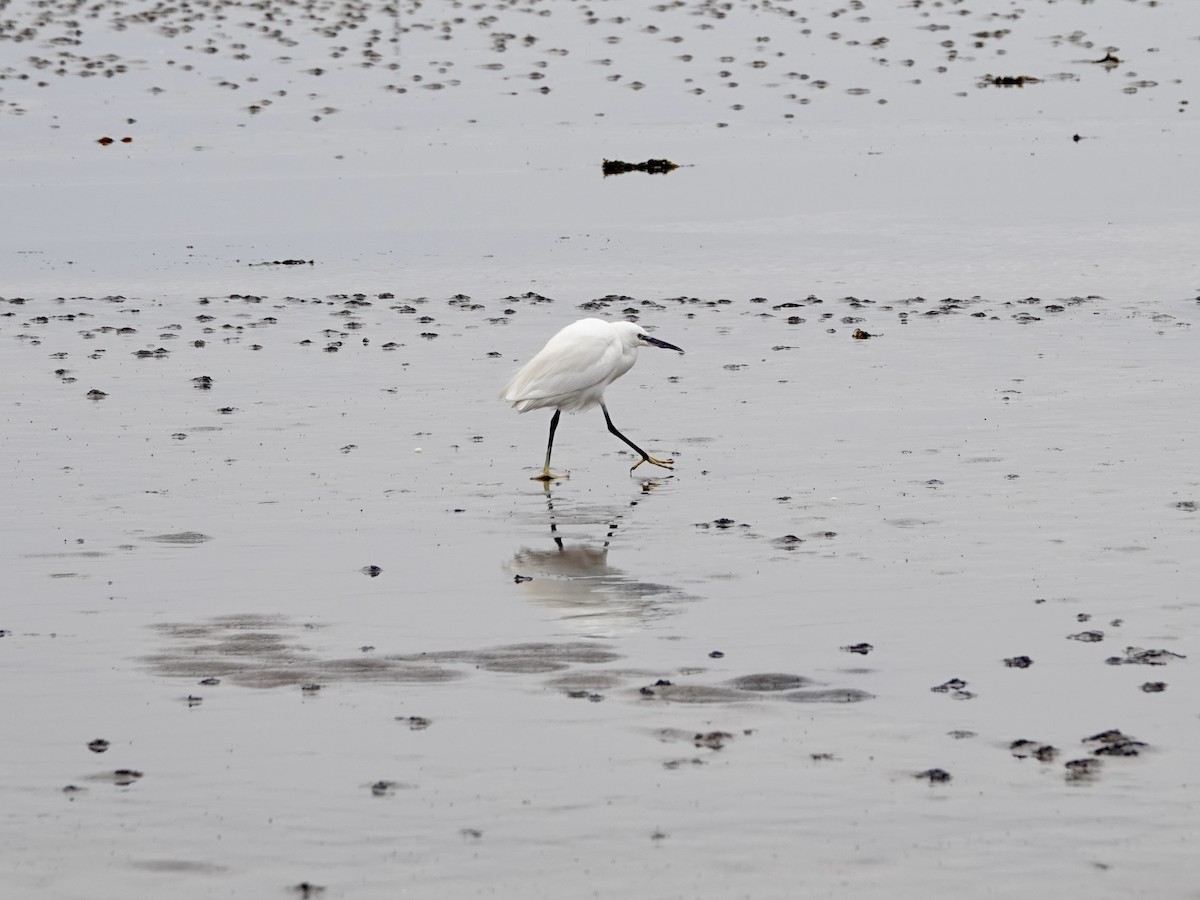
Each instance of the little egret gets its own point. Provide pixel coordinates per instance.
(573, 369)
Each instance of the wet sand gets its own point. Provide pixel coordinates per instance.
(913, 615)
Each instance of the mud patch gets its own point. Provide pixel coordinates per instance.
(755, 687)
(181, 537)
(268, 651)
(178, 866)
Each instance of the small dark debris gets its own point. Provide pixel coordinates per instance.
(861, 648)
(717, 654)
(1114, 743)
(1023, 749)
(1120, 748)
(954, 684)
(521, 579)
(1087, 637)
(787, 542)
(860, 335)
(99, 745)
(1154, 687)
(934, 776)
(1138, 656)
(713, 740)
(648, 691)
(1009, 80)
(373, 571)
(1018, 662)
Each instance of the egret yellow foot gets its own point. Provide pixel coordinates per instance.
(665, 463)
(548, 476)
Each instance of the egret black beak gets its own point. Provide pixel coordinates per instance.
(657, 343)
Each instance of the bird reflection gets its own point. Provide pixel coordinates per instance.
(574, 577)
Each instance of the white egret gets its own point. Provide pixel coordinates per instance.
(573, 369)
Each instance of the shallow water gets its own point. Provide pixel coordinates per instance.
(1001, 467)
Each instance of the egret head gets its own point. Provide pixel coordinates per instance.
(633, 335)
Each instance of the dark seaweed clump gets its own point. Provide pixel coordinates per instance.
(650, 166)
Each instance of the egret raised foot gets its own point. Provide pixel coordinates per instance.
(665, 463)
(571, 372)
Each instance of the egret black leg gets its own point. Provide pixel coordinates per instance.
(645, 457)
(546, 476)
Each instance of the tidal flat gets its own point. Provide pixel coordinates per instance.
(284, 614)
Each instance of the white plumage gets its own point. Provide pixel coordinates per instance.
(571, 372)
(576, 365)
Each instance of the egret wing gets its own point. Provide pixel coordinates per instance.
(569, 373)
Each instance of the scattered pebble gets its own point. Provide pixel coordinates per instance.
(861, 648)
(934, 776)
